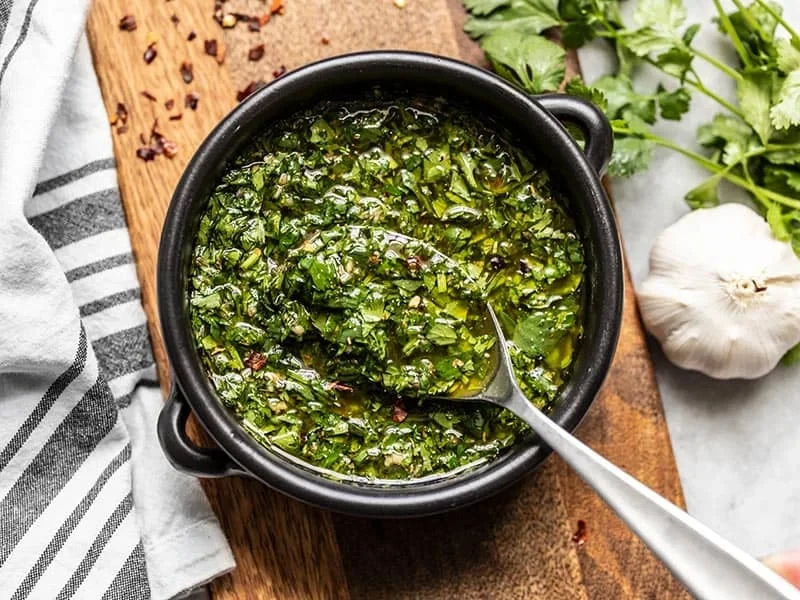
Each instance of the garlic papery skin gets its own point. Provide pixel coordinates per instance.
(723, 295)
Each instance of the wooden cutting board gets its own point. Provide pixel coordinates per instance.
(516, 545)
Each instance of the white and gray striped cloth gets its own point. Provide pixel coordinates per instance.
(89, 508)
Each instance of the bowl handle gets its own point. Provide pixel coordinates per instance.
(589, 119)
(181, 452)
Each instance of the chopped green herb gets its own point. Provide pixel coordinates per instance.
(340, 279)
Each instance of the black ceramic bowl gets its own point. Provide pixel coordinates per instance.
(536, 121)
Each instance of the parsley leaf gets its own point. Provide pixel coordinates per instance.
(532, 62)
(631, 155)
(529, 17)
(754, 92)
(786, 113)
(705, 194)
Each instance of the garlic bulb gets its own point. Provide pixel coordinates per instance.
(723, 296)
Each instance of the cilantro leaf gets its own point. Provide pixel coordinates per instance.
(577, 87)
(754, 92)
(521, 16)
(759, 42)
(620, 95)
(532, 62)
(776, 222)
(788, 57)
(732, 136)
(665, 14)
(705, 194)
(647, 40)
(631, 155)
(484, 7)
(677, 61)
(675, 104)
(792, 356)
(786, 112)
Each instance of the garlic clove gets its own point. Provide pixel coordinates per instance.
(722, 296)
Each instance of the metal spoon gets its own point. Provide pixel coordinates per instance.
(709, 566)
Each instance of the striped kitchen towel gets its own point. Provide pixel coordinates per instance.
(89, 508)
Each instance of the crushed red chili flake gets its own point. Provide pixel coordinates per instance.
(211, 47)
(255, 361)
(187, 72)
(276, 6)
(253, 25)
(324, 40)
(191, 36)
(177, 117)
(121, 114)
(169, 147)
(169, 104)
(157, 144)
(149, 96)
(191, 100)
(263, 19)
(399, 412)
(251, 87)
(279, 71)
(341, 387)
(146, 153)
(150, 54)
(174, 18)
(579, 537)
(122, 129)
(256, 53)
(127, 23)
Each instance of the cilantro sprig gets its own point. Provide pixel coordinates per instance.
(753, 143)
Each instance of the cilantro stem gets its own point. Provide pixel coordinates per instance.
(731, 31)
(779, 17)
(695, 83)
(757, 195)
(710, 165)
(718, 64)
(718, 99)
(751, 22)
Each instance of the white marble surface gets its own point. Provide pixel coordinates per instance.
(737, 443)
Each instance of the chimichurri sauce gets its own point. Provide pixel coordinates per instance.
(340, 277)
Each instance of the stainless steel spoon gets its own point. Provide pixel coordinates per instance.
(709, 566)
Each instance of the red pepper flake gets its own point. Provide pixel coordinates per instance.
(324, 40)
(579, 537)
(211, 47)
(174, 18)
(256, 53)
(279, 71)
(157, 144)
(121, 114)
(149, 96)
(169, 147)
(146, 153)
(263, 19)
(191, 36)
(169, 104)
(127, 23)
(340, 387)
(255, 361)
(150, 54)
(122, 129)
(187, 72)
(251, 87)
(399, 412)
(252, 24)
(177, 117)
(276, 6)
(191, 100)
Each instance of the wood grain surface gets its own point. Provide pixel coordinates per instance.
(516, 545)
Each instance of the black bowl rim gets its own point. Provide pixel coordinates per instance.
(303, 484)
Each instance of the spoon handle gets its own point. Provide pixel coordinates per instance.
(708, 565)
